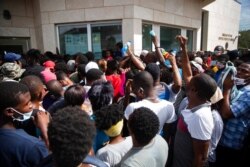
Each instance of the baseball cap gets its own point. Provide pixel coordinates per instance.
(49, 64)
(10, 57)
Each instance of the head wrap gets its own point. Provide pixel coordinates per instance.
(115, 130)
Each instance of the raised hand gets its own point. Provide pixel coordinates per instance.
(182, 40)
(41, 120)
(228, 83)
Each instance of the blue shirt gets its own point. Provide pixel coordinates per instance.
(100, 139)
(19, 149)
(217, 75)
(236, 128)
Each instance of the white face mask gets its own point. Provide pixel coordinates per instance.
(23, 116)
(239, 81)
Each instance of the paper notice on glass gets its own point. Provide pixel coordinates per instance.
(76, 43)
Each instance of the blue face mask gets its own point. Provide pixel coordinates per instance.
(23, 116)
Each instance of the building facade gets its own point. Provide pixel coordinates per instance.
(96, 25)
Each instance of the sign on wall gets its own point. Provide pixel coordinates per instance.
(226, 37)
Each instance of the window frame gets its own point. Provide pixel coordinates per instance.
(87, 25)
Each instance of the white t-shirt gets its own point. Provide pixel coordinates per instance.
(163, 109)
(217, 132)
(200, 123)
(113, 153)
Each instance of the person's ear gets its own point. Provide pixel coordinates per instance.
(141, 90)
(40, 96)
(8, 112)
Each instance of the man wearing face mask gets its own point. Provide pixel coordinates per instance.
(236, 112)
(17, 147)
(220, 66)
(218, 51)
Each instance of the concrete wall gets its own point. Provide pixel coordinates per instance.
(21, 23)
(184, 13)
(223, 24)
(37, 19)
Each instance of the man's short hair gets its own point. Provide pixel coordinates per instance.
(74, 95)
(33, 82)
(10, 92)
(143, 79)
(90, 56)
(70, 136)
(108, 116)
(112, 65)
(154, 70)
(144, 124)
(94, 74)
(82, 59)
(204, 85)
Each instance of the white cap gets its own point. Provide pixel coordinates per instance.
(91, 65)
(198, 66)
(198, 60)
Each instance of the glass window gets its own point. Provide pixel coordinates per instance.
(73, 39)
(167, 38)
(190, 40)
(104, 37)
(146, 37)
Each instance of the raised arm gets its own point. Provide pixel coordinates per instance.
(158, 50)
(225, 110)
(135, 60)
(186, 67)
(124, 62)
(41, 120)
(176, 75)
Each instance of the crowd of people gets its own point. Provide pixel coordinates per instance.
(156, 109)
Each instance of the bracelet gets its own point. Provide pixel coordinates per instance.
(157, 47)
